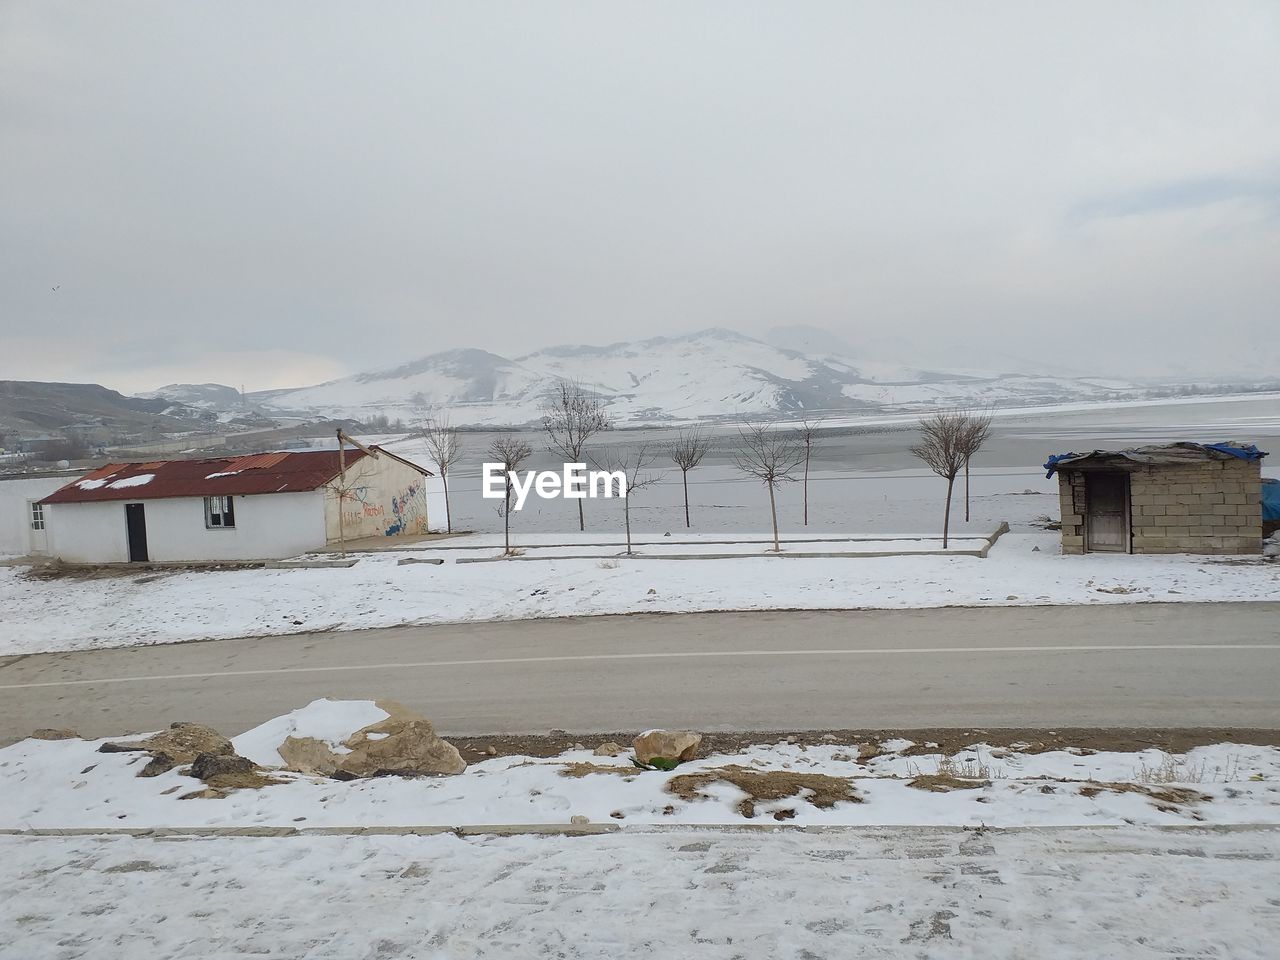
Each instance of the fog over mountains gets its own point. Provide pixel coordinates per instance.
(710, 374)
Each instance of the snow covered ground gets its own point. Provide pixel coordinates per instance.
(1127, 894)
(885, 850)
(125, 609)
(69, 784)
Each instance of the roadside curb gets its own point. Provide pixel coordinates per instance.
(595, 829)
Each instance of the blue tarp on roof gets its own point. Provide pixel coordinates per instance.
(1271, 499)
(1168, 454)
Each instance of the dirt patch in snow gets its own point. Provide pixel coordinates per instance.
(57, 570)
(576, 770)
(765, 786)
(944, 783)
(1162, 796)
(865, 743)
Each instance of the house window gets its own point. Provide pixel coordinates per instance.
(37, 516)
(218, 513)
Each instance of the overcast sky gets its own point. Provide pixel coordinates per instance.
(278, 193)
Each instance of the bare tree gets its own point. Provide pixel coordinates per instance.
(444, 446)
(772, 457)
(510, 452)
(942, 446)
(571, 416)
(979, 429)
(808, 436)
(632, 465)
(687, 450)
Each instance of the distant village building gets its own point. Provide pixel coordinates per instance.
(260, 507)
(1176, 498)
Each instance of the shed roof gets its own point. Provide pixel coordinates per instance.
(293, 472)
(1168, 454)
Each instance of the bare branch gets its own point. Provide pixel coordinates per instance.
(772, 457)
(632, 464)
(510, 451)
(767, 454)
(444, 445)
(943, 442)
(689, 447)
(571, 416)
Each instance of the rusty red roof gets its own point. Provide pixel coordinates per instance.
(217, 477)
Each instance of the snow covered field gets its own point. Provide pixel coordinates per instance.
(125, 609)
(1125, 894)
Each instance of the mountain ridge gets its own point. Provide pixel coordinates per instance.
(713, 373)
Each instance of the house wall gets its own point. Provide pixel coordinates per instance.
(381, 497)
(1213, 507)
(16, 497)
(268, 527)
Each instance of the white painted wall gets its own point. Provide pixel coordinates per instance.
(384, 498)
(437, 515)
(16, 496)
(268, 527)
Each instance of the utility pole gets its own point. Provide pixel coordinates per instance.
(343, 439)
(342, 489)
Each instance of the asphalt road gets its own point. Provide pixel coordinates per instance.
(1130, 665)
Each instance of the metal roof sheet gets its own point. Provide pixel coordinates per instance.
(217, 477)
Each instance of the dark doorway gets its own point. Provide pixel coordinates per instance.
(135, 519)
(1107, 524)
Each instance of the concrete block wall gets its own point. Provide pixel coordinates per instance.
(1213, 507)
(1207, 508)
(1073, 501)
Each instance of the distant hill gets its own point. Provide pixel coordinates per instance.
(714, 373)
(31, 408)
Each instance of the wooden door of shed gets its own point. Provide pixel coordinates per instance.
(1107, 522)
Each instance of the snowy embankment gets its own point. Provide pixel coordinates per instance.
(65, 784)
(914, 857)
(125, 609)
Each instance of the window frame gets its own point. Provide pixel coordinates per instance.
(225, 513)
(37, 518)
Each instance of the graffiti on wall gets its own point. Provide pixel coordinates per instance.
(408, 511)
(366, 510)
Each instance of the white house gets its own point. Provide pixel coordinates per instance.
(23, 530)
(260, 507)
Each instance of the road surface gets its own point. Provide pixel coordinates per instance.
(1129, 665)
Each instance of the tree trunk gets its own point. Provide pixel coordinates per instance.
(626, 519)
(946, 516)
(448, 517)
(806, 485)
(506, 522)
(773, 510)
(966, 489)
(582, 523)
(684, 475)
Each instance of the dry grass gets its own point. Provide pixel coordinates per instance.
(1166, 799)
(764, 786)
(954, 774)
(1172, 770)
(942, 783)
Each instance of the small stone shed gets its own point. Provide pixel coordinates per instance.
(1202, 498)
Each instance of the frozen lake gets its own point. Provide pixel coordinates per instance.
(863, 477)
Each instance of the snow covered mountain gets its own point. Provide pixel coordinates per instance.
(713, 373)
